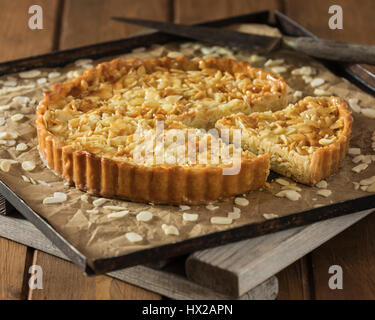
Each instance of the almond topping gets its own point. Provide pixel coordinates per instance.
(289, 194)
(170, 230)
(211, 207)
(144, 216)
(322, 184)
(369, 113)
(93, 211)
(118, 214)
(85, 198)
(28, 165)
(269, 216)
(29, 74)
(354, 151)
(21, 147)
(17, 117)
(190, 216)
(99, 202)
(241, 202)
(317, 82)
(368, 181)
(282, 181)
(324, 192)
(133, 237)
(360, 167)
(5, 164)
(184, 208)
(114, 208)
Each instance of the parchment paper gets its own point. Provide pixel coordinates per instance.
(97, 236)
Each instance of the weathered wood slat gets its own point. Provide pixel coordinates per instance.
(234, 268)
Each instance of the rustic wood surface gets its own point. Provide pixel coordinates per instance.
(307, 278)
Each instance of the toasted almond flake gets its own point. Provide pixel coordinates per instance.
(297, 94)
(367, 159)
(211, 207)
(360, 167)
(289, 194)
(29, 74)
(282, 182)
(93, 211)
(368, 181)
(26, 179)
(307, 79)
(269, 216)
(118, 214)
(32, 181)
(21, 147)
(144, 216)
(241, 202)
(41, 81)
(44, 183)
(114, 208)
(170, 230)
(353, 103)
(52, 200)
(53, 75)
(318, 205)
(303, 71)
(322, 184)
(5, 107)
(174, 54)
(11, 143)
(234, 215)
(133, 237)
(5, 164)
(317, 82)
(356, 185)
(99, 202)
(364, 188)
(371, 188)
(61, 195)
(292, 187)
(10, 83)
(17, 117)
(2, 121)
(72, 74)
(324, 192)
(254, 58)
(369, 113)
(85, 198)
(221, 220)
(87, 66)
(276, 62)
(82, 62)
(321, 92)
(354, 151)
(279, 69)
(189, 216)
(358, 158)
(28, 165)
(184, 208)
(8, 135)
(21, 100)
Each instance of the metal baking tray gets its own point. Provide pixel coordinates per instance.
(354, 73)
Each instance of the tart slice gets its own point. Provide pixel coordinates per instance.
(88, 128)
(306, 141)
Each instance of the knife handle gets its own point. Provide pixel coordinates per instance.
(332, 50)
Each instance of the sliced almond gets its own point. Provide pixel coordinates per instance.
(21, 147)
(269, 216)
(369, 113)
(29, 74)
(44, 183)
(297, 94)
(360, 167)
(54, 199)
(170, 230)
(303, 71)
(279, 69)
(364, 188)
(118, 214)
(114, 208)
(60, 195)
(85, 198)
(184, 208)
(276, 62)
(289, 194)
(354, 151)
(26, 179)
(174, 54)
(99, 202)
(8, 135)
(324, 192)
(4, 108)
(17, 117)
(82, 62)
(356, 185)
(28, 165)
(133, 237)
(358, 159)
(292, 187)
(211, 207)
(353, 103)
(243, 202)
(322, 184)
(368, 181)
(53, 75)
(282, 182)
(321, 92)
(317, 82)
(93, 211)
(221, 220)
(234, 215)
(5, 164)
(190, 216)
(144, 216)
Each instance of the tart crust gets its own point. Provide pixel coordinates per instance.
(170, 184)
(309, 169)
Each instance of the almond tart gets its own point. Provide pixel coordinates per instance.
(306, 141)
(100, 131)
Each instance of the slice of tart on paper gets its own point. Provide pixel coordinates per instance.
(306, 141)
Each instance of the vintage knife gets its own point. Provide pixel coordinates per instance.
(319, 48)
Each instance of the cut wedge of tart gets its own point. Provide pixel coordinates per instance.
(306, 141)
(100, 130)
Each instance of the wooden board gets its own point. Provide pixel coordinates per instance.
(234, 268)
(171, 285)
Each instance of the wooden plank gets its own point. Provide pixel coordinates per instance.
(17, 39)
(14, 262)
(88, 21)
(235, 268)
(354, 251)
(61, 279)
(194, 11)
(165, 283)
(294, 282)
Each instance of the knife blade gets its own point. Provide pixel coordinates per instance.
(318, 48)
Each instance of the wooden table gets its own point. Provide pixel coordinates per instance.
(70, 23)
